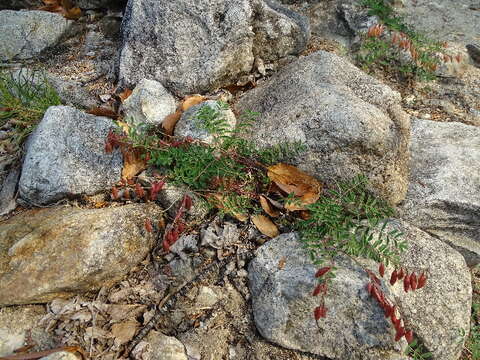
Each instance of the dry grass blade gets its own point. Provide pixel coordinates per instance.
(265, 225)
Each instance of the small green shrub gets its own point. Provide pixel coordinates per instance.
(397, 47)
(24, 98)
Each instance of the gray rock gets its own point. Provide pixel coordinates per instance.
(282, 301)
(157, 346)
(24, 34)
(355, 326)
(19, 4)
(356, 16)
(8, 190)
(438, 312)
(149, 102)
(438, 18)
(97, 4)
(206, 297)
(220, 237)
(186, 243)
(194, 48)
(443, 197)
(190, 125)
(58, 252)
(351, 122)
(17, 324)
(66, 156)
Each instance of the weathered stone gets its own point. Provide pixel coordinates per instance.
(66, 156)
(443, 197)
(442, 308)
(157, 346)
(97, 4)
(18, 324)
(58, 252)
(355, 326)
(190, 125)
(8, 190)
(149, 102)
(195, 47)
(19, 4)
(24, 34)
(171, 197)
(282, 301)
(350, 122)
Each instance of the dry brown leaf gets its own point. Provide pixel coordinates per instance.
(265, 225)
(267, 207)
(292, 180)
(101, 111)
(192, 100)
(125, 94)
(133, 164)
(124, 331)
(73, 13)
(170, 121)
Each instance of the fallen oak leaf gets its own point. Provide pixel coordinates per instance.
(292, 180)
(125, 94)
(170, 121)
(133, 163)
(265, 225)
(267, 207)
(101, 111)
(73, 13)
(192, 100)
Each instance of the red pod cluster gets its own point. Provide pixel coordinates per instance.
(320, 289)
(139, 190)
(381, 269)
(320, 312)
(322, 271)
(148, 225)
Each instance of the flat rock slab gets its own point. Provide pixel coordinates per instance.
(355, 326)
(351, 123)
(58, 252)
(66, 157)
(443, 197)
(24, 34)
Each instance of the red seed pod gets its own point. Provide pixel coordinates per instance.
(181, 227)
(400, 334)
(381, 269)
(397, 324)
(148, 225)
(406, 283)
(400, 274)
(393, 278)
(108, 147)
(139, 191)
(130, 181)
(187, 202)
(317, 290)
(422, 280)
(147, 156)
(370, 288)
(413, 281)
(166, 245)
(393, 316)
(320, 312)
(114, 193)
(409, 336)
(126, 194)
(377, 294)
(322, 271)
(388, 310)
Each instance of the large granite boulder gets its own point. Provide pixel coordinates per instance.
(24, 34)
(58, 252)
(443, 197)
(350, 122)
(196, 46)
(355, 326)
(66, 156)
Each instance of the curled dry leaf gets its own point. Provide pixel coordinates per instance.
(170, 121)
(294, 181)
(132, 164)
(125, 94)
(265, 225)
(101, 111)
(192, 100)
(268, 208)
